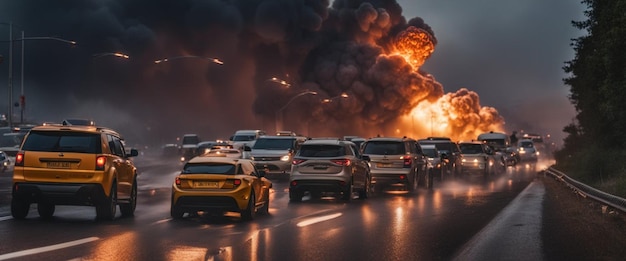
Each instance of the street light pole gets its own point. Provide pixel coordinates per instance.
(10, 84)
(279, 112)
(22, 96)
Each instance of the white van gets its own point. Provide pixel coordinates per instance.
(497, 140)
(245, 137)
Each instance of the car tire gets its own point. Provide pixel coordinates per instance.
(128, 209)
(106, 210)
(347, 194)
(248, 213)
(45, 209)
(295, 196)
(19, 208)
(265, 209)
(367, 190)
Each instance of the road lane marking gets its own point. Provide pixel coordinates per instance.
(314, 220)
(47, 248)
(5, 218)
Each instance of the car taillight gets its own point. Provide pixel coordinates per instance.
(19, 159)
(342, 162)
(100, 162)
(402, 177)
(407, 161)
(177, 181)
(297, 161)
(235, 182)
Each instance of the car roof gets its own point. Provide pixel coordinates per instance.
(389, 139)
(471, 142)
(76, 128)
(328, 141)
(226, 160)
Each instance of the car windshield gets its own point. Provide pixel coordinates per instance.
(209, 168)
(63, 141)
(273, 144)
(383, 148)
(527, 144)
(321, 151)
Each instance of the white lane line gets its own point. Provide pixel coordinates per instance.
(314, 220)
(47, 248)
(6, 218)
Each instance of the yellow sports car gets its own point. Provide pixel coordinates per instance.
(218, 185)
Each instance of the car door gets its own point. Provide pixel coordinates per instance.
(362, 168)
(124, 167)
(259, 187)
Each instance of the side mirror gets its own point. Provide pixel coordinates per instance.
(133, 153)
(246, 148)
(366, 158)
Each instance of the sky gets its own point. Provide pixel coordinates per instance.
(484, 65)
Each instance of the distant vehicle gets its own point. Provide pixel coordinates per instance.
(397, 163)
(220, 184)
(501, 144)
(447, 147)
(206, 146)
(527, 151)
(228, 153)
(478, 158)
(436, 161)
(5, 162)
(286, 133)
(169, 150)
(329, 166)
(245, 137)
(275, 153)
(10, 143)
(189, 146)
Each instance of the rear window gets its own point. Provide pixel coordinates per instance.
(322, 151)
(431, 153)
(209, 168)
(384, 148)
(63, 141)
(244, 137)
(471, 148)
(273, 144)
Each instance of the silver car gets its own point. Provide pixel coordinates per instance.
(329, 166)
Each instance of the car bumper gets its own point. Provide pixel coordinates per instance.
(205, 200)
(60, 194)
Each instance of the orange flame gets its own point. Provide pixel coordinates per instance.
(456, 115)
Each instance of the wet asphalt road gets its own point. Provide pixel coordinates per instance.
(430, 224)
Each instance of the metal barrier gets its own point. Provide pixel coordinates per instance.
(587, 191)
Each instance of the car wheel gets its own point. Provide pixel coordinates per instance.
(19, 208)
(265, 209)
(248, 213)
(429, 183)
(366, 192)
(45, 209)
(347, 194)
(295, 196)
(106, 210)
(128, 209)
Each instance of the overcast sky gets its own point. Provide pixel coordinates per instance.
(510, 52)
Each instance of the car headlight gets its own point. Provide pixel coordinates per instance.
(285, 158)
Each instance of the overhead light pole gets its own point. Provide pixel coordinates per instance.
(279, 112)
(22, 96)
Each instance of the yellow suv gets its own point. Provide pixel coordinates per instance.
(74, 165)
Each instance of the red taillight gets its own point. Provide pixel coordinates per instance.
(402, 177)
(100, 162)
(294, 183)
(19, 159)
(407, 161)
(177, 181)
(342, 162)
(236, 182)
(297, 161)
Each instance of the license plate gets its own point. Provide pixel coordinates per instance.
(205, 184)
(320, 167)
(58, 165)
(383, 165)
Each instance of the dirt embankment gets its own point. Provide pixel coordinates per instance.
(577, 228)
